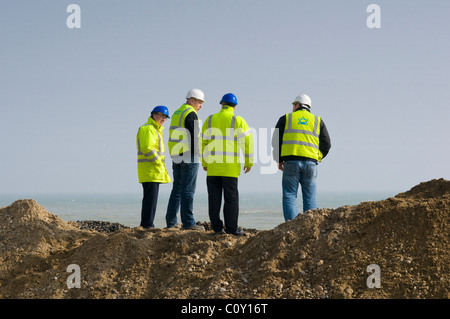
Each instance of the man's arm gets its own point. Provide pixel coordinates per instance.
(324, 139)
(189, 122)
(277, 139)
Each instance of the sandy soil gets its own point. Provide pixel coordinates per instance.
(321, 254)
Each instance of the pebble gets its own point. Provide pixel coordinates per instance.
(318, 288)
(228, 243)
(348, 291)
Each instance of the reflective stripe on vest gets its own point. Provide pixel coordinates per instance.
(178, 134)
(157, 154)
(228, 137)
(211, 135)
(301, 138)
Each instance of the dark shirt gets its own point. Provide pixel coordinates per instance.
(324, 142)
(191, 124)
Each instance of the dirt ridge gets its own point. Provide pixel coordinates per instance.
(321, 254)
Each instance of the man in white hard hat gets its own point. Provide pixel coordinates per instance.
(303, 141)
(184, 150)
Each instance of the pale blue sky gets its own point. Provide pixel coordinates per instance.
(71, 100)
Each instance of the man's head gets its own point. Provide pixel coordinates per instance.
(302, 100)
(195, 98)
(229, 99)
(159, 114)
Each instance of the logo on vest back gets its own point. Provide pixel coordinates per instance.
(302, 121)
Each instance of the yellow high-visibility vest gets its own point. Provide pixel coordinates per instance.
(150, 153)
(225, 137)
(179, 136)
(301, 135)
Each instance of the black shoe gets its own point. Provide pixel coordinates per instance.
(220, 232)
(194, 227)
(146, 227)
(238, 232)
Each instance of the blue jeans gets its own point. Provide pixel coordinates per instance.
(182, 195)
(295, 173)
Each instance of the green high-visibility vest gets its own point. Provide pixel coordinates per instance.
(301, 135)
(179, 136)
(150, 153)
(225, 137)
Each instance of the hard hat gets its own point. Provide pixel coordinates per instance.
(196, 94)
(303, 99)
(161, 109)
(229, 98)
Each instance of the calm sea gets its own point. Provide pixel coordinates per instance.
(257, 210)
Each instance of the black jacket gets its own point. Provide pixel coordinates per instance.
(190, 123)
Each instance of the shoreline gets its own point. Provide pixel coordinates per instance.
(262, 212)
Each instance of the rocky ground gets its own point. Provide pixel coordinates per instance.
(321, 254)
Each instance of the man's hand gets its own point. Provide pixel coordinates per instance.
(246, 169)
(280, 166)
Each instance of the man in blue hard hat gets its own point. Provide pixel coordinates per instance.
(151, 166)
(225, 136)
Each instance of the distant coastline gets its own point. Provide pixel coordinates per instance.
(257, 210)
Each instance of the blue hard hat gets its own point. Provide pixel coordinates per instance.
(161, 109)
(229, 98)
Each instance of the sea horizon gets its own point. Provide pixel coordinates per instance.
(257, 210)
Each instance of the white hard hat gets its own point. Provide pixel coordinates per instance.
(196, 94)
(303, 99)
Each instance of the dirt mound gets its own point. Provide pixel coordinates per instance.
(431, 189)
(321, 254)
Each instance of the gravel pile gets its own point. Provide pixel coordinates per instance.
(108, 227)
(100, 226)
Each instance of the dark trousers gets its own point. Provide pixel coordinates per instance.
(229, 187)
(182, 195)
(149, 201)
